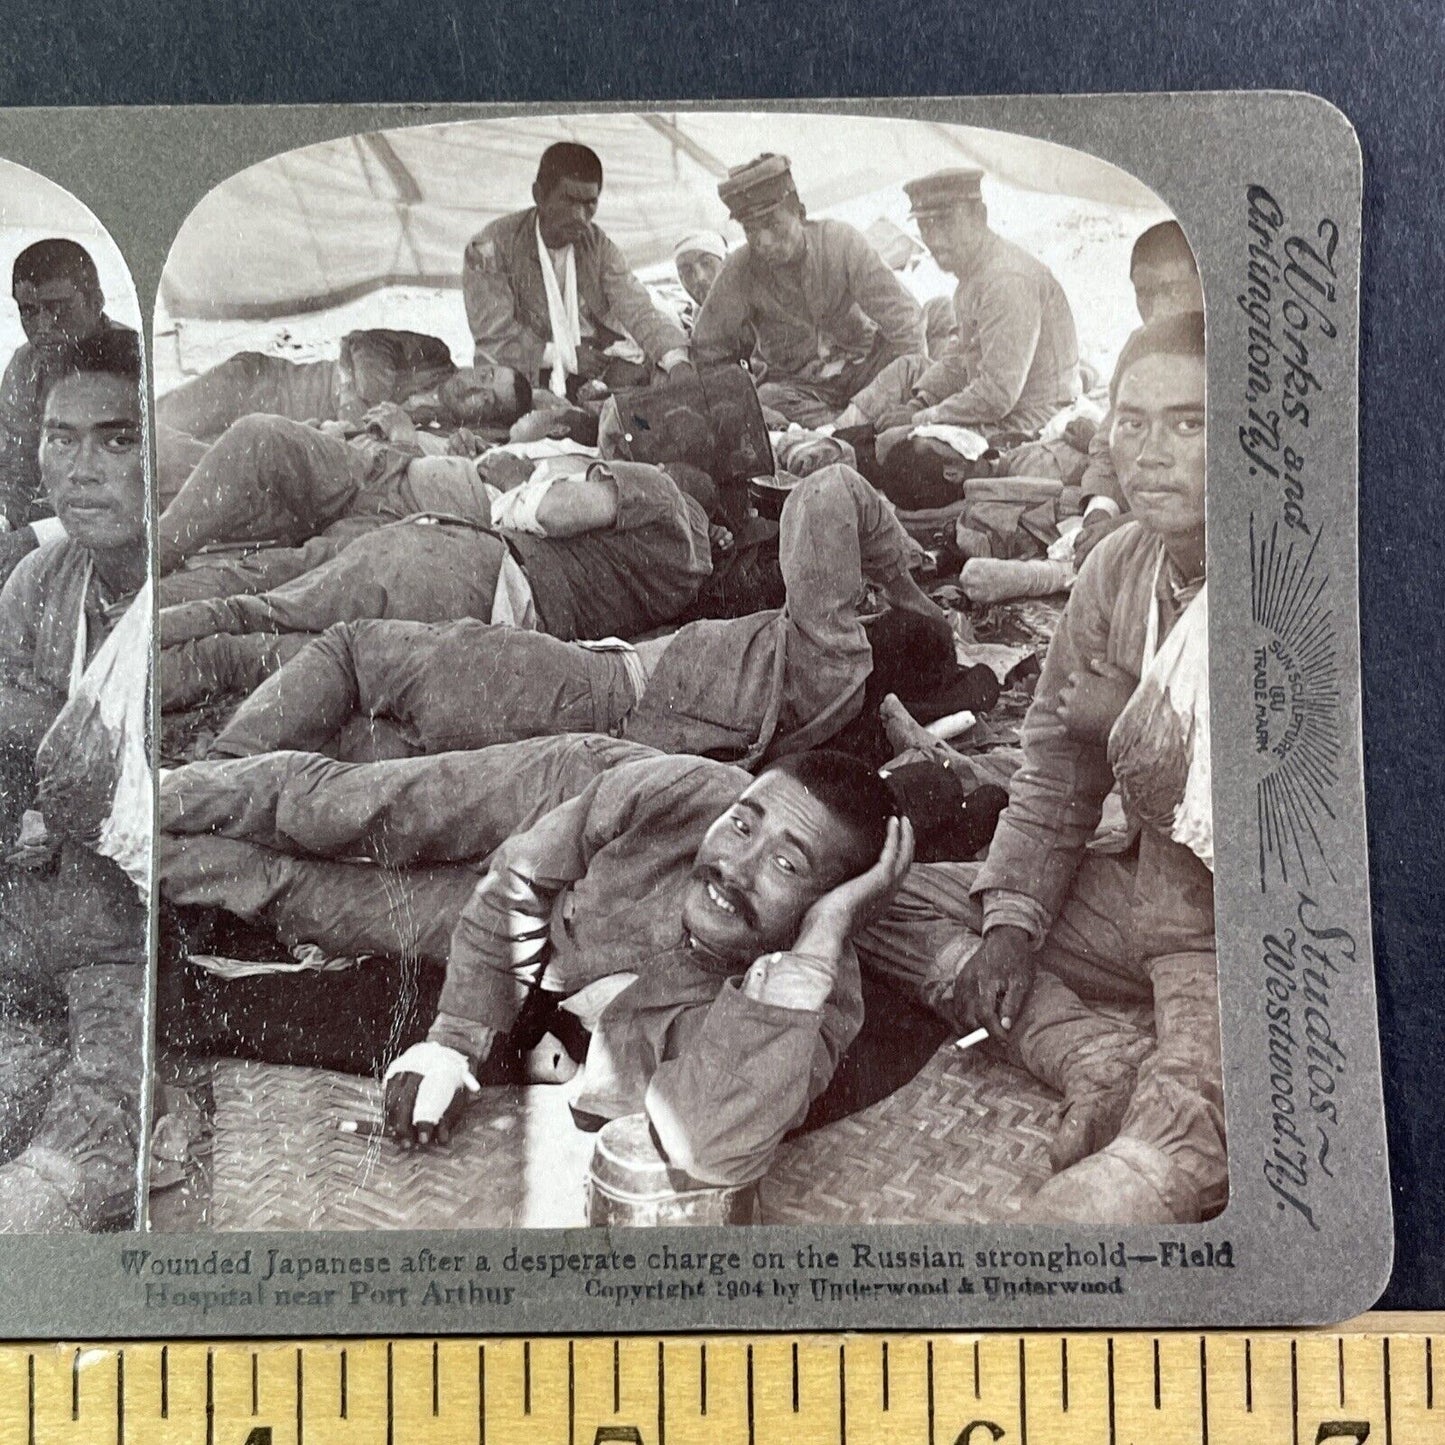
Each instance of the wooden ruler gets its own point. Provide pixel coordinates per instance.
(1374, 1380)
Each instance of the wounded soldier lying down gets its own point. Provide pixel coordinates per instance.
(715, 949)
(741, 689)
(613, 551)
(695, 920)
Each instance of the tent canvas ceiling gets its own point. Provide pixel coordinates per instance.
(319, 225)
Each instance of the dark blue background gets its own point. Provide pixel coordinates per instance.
(1383, 65)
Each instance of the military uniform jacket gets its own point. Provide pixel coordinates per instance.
(1056, 798)
(838, 311)
(506, 298)
(1014, 360)
(40, 609)
(604, 875)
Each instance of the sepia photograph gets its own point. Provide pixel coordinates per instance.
(76, 788)
(683, 682)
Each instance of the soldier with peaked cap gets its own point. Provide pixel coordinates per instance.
(812, 301)
(1014, 360)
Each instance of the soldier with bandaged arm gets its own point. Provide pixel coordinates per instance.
(1056, 921)
(75, 806)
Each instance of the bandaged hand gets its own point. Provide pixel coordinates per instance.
(424, 1093)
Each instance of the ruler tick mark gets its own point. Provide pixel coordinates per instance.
(1064, 1373)
(885, 1374)
(165, 1382)
(120, 1397)
(75, 1386)
(751, 1436)
(842, 1397)
(526, 1377)
(1294, 1391)
(977, 1378)
(1156, 1375)
(30, 1399)
(211, 1398)
(436, 1378)
(571, 1393)
(930, 1392)
(795, 1377)
(702, 1380)
(1023, 1396)
(255, 1384)
(1429, 1373)
(1389, 1421)
(481, 1395)
(390, 1396)
(1110, 1376)
(1340, 1368)
(1203, 1391)
(1248, 1377)
(342, 1383)
(616, 1376)
(301, 1399)
(661, 1396)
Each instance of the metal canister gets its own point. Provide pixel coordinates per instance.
(630, 1183)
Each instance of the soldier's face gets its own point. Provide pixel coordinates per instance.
(481, 395)
(1157, 442)
(1167, 287)
(566, 211)
(776, 236)
(91, 459)
(697, 270)
(761, 866)
(57, 312)
(949, 236)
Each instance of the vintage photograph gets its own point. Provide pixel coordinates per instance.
(683, 682)
(76, 790)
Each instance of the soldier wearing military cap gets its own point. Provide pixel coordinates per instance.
(1014, 359)
(811, 302)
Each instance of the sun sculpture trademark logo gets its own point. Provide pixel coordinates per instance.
(1296, 704)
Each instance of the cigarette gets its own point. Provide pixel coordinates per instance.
(969, 1040)
(364, 1128)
